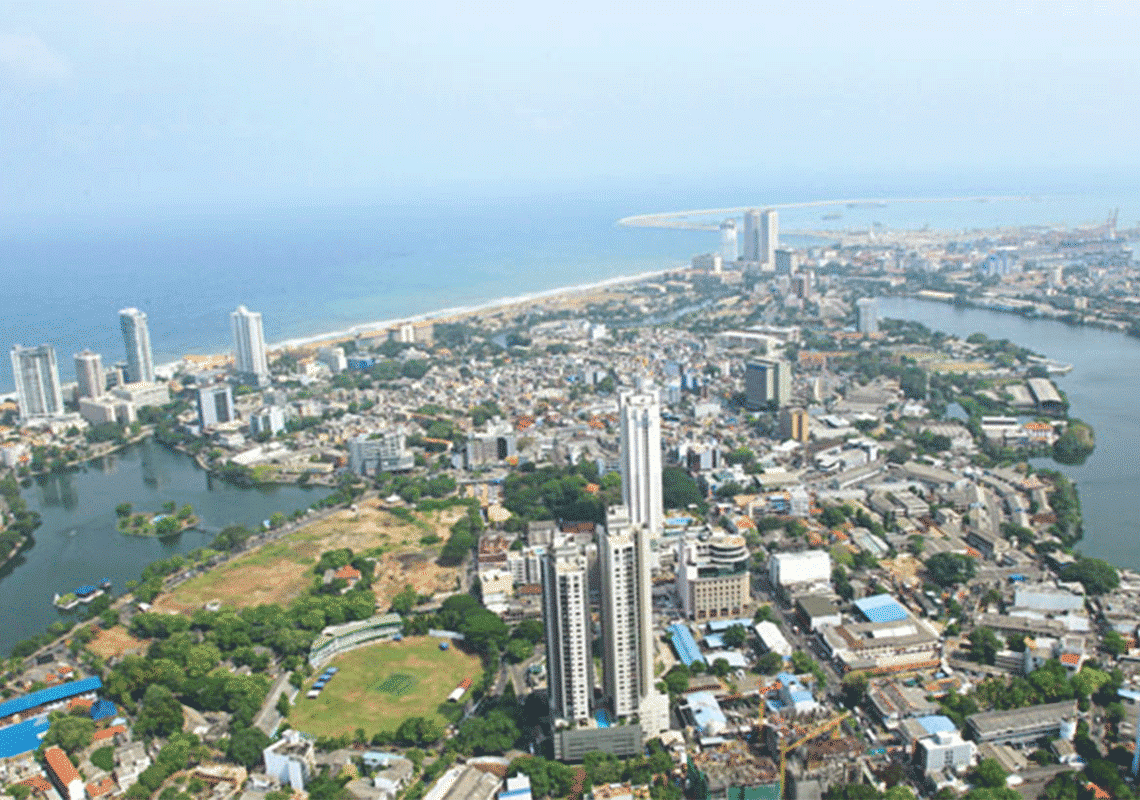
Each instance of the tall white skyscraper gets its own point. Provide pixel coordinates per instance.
(641, 459)
(249, 341)
(750, 248)
(136, 340)
(728, 246)
(868, 310)
(566, 614)
(37, 381)
(769, 238)
(89, 374)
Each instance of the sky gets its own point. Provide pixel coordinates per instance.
(141, 108)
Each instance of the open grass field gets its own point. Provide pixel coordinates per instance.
(282, 570)
(381, 685)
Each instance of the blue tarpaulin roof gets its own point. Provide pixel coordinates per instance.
(18, 705)
(22, 738)
(881, 608)
(936, 723)
(706, 710)
(684, 644)
(102, 709)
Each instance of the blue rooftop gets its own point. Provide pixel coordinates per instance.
(54, 694)
(684, 644)
(722, 625)
(936, 723)
(801, 696)
(705, 710)
(102, 709)
(881, 608)
(23, 738)
(715, 641)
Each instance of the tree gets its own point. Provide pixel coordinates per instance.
(678, 488)
(948, 569)
(989, 774)
(1114, 644)
(854, 689)
(1097, 576)
(770, 663)
(735, 636)
(764, 614)
(404, 600)
(123, 509)
(676, 680)
(494, 733)
(70, 733)
(984, 645)
(161, 713)
(720, 668)
(246, 745)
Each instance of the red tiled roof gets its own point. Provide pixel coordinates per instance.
(1070, 659)
(103, 787)
(61, 765)
(37, 782)
(108, 733)
(348, 573)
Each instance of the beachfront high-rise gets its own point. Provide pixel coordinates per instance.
(37, 381)
(641, 490)
(769, 238)
(750, 248)
(566, 614)
(89, 378)
(249, 342)
(136, 340)
(728, 245)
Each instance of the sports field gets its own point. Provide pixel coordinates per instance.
(381, 685)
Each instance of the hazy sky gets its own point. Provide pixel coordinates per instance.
(135, 106)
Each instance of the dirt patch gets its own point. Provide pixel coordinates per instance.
(280, 571)
(114, 643)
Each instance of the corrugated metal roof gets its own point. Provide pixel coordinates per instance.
(881, 608)
(936, 723)
(685, 644)
(53, 694)
(22, 738)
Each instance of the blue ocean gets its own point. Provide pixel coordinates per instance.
(312, 270)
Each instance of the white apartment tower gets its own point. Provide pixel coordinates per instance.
(641, 459)
(89, 377)
(136, 340)
(566, 614)
(728, 245)
(750, 250)
(769, 238)
(37, 381)
(868, 312)
(249, 342)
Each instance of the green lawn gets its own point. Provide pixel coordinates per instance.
(381, 685)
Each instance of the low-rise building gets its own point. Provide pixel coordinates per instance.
(944, 750)
(1023, 724)
(63, 774)
(384, 451)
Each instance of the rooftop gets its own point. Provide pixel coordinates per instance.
(53, 694)
(881, 608)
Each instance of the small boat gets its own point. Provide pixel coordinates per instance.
(105, 584)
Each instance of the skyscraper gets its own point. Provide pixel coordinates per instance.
(627, 612)
(215, 405)
(641, 459)
(728, 248)
(566, 614)
(89, 374)
(868, 311)
(136, 340)
(249, 342)
(767, 382)
(750, 249)
(37, 381)
(769, 238)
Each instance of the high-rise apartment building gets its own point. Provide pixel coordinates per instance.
(566, 614)
(385, 451)
(794, 424)
(769, 238)
(215, 405)
(868, 311)
(89, 378)
(136, 340)
(37, 381)
(750, 248)
(251, 359)
(728, 243)
(627, 612)
(641, 459)
(767, 382)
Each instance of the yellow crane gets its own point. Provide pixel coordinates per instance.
(811, 734)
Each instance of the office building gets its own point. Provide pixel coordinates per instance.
(334, 358)
(868, 313)
(566, 614)
(750, 248)
(386, 451)
(37, 381)
(251, 360)
(96, 410)
(89, 378)
(267, 420)
(1021, 725)
(768, 238)
(627, 623)
(136, 340)
(143, 393)
(787, 261)
(942, 751)
(728, 244)
(794, 424)
(712, 576)
(215, 405)
(767, 384)
(641, 460)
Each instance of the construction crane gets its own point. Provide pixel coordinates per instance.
(811, 734)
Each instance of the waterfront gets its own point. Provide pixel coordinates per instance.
(78, 542)
(1102, 390)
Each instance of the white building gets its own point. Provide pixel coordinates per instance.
(566, 613)
(728, 245)
(526, 565)
(773, 641)
(89, 378)
(267, 419)
(944, 750)
(750, 249)
(143, 393)
(641, 460)
(136, 340)
(37, 381)
(334, 359)
(712, 576)
(251, 358)
(808, 567)
(215, 405)
(868, 311)
(290, 760)
(371, 454)
(768, 238)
